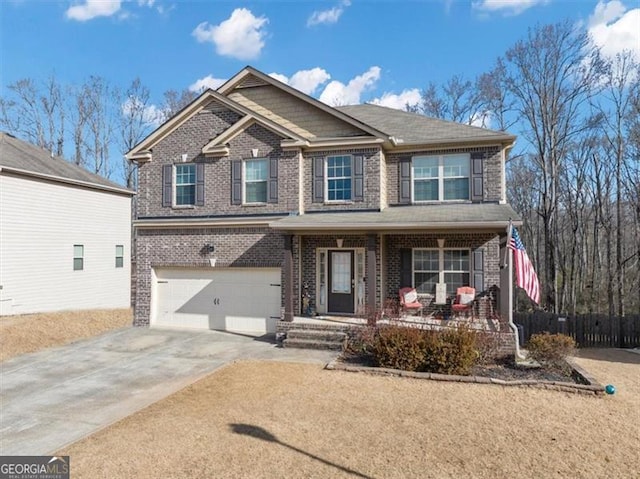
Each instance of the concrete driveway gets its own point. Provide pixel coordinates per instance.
(55, 397)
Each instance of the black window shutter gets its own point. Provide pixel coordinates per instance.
(272, 186)
(404, 179)
(236, 182)
(199, 184)
(167, 185)
(318, 180)
(478, 270)
(477, 186)
(406, 268)
(358, 178)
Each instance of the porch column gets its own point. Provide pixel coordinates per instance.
(372, 273)
(505, 301)
(288, 277)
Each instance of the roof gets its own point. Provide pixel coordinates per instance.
(24, 158)
(412, 128)
(488, 216)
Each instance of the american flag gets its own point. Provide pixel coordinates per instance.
(526, 277)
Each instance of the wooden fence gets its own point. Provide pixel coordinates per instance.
(588, 330)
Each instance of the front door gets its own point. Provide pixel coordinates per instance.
(341, 282)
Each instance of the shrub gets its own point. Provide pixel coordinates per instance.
(488, 346)
(451, 351)
(360, 342)
(550, 349)
(399, 347)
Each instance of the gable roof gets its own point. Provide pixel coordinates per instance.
(415, 129)
(141, 150)
(23, 158)
(249, 76)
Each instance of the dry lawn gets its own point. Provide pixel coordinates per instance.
(268, 419)
(33, 332)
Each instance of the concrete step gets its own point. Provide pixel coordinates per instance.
(313, 344)
(317, 335)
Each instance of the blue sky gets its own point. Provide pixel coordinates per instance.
(339, 51)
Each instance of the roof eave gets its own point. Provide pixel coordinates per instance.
(373, 226)
(69, 181)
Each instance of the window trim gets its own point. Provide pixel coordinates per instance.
(326, 179)
(174, 192)
(245, 181)
(441, 178)
(120, 257)
(80, 258)
(441, 270)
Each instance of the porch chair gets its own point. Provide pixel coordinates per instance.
(463, 302)
(409, 301)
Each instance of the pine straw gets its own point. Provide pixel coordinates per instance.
(33, 332)
(294, 420)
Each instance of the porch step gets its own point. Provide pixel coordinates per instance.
(309, 339)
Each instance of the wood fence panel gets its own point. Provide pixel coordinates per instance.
(588, 330)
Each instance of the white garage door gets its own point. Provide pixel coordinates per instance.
(243, 300)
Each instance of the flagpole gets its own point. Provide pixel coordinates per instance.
(508, 263)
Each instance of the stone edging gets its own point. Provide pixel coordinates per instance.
(592, 388)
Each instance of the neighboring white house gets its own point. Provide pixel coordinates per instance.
(65, 234)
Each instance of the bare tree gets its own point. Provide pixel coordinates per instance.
(137, 117)
(551, 75)
(174, 101)
(456, 100)
(36, 113)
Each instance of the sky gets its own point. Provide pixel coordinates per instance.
(340, 51)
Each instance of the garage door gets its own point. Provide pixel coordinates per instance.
(242, 300)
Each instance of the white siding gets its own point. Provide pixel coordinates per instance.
(39, 224)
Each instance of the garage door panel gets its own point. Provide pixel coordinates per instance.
(236, 299)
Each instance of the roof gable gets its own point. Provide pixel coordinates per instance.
(311, 117)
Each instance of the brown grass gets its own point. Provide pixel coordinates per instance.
(33, 332)
(260, 419)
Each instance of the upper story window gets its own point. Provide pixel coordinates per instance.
(440, 178)
(185, 185)
(255, 181)
(432, 266)
(339, 178)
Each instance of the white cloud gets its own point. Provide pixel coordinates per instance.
(399, 101)
(206, 82)
(481, 119)
(240, 36)
(307, 81)
(280, 77)
(327, 17)
(613, 28)
(337, 93)
(93, 8)
(508, 7)
(146, 3)
(151, 115)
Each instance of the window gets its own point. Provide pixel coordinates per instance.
(255, 181)
(119, 256)
(339, 178)
(441, 178)
(185, 189)
(78, 257)
(431, 266)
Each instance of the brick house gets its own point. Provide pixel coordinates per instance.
(256, 195)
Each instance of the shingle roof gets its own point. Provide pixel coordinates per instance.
(412, 128)
(16, 154)
(435, 216)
